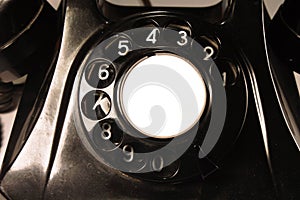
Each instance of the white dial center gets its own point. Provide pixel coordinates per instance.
(163, 96)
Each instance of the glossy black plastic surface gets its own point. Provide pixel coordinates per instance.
(26, 28)
(284, 33)
(49, 160)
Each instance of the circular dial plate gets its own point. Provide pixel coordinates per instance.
(156, 98)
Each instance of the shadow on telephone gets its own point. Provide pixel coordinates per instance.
(150, 99)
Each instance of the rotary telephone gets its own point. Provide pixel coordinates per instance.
(150, 99)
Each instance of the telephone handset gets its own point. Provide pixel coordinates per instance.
(29, 32)
(153, 101)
